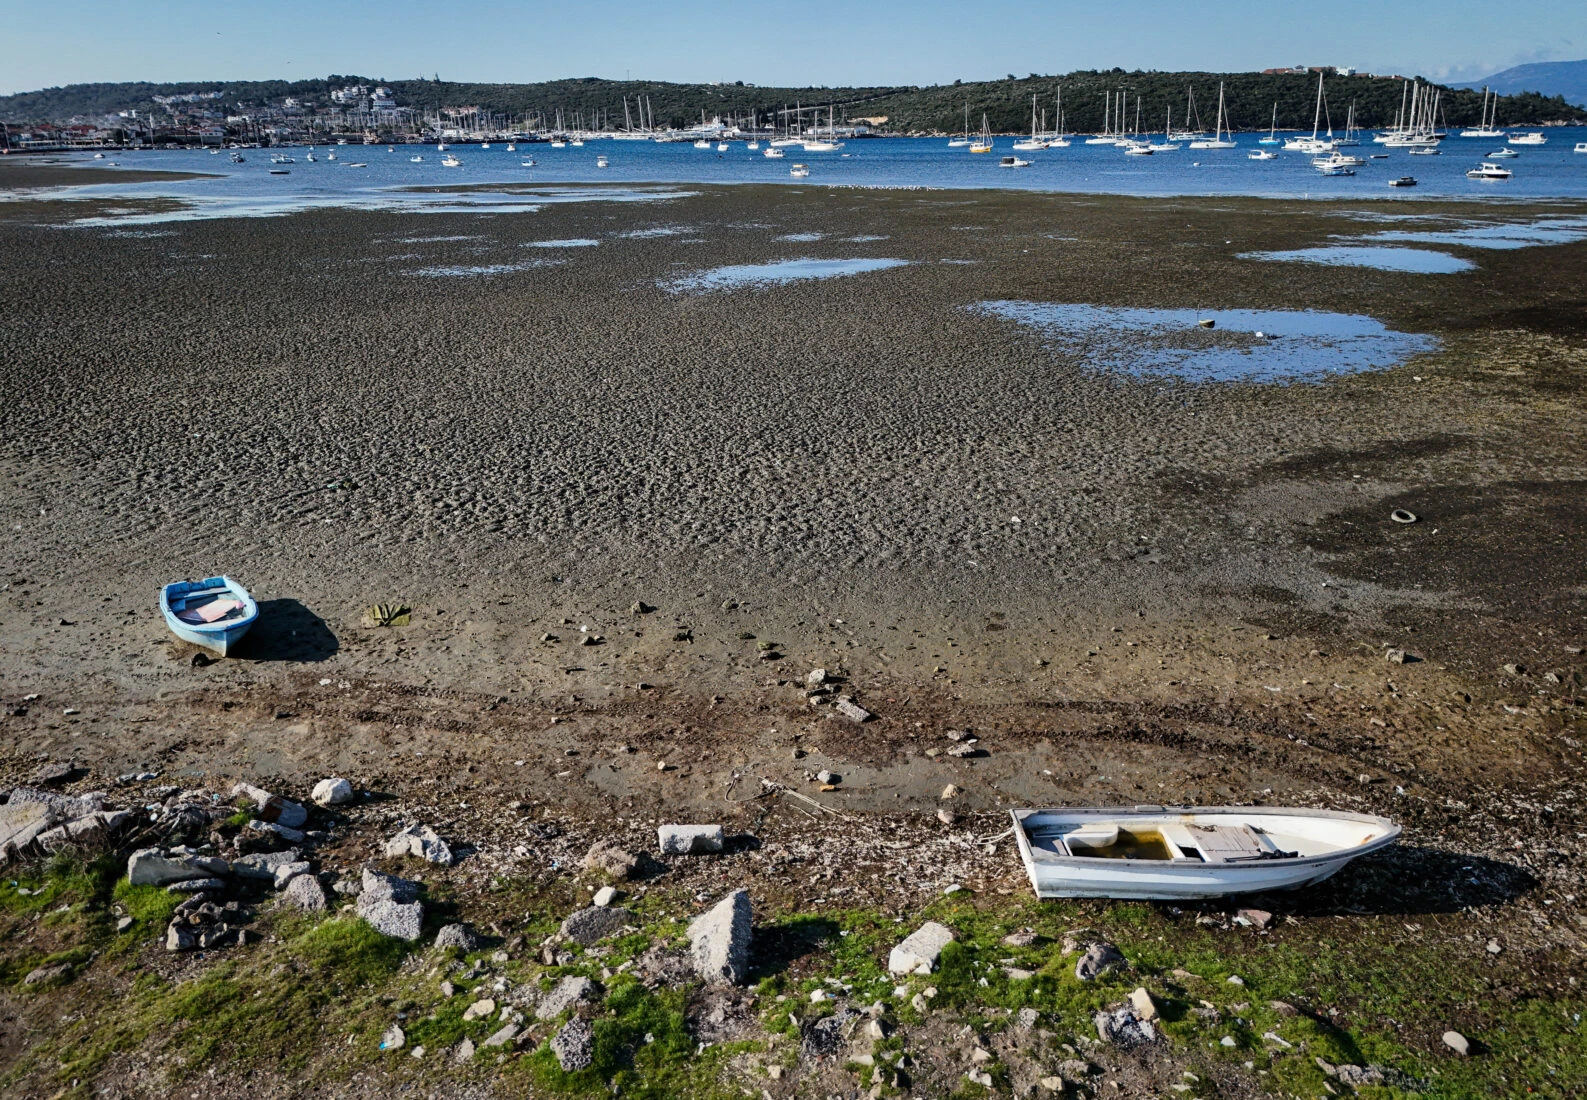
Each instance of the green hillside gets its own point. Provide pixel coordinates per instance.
(1006, 103)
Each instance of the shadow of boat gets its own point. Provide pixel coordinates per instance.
(1406, 880)
(287, 631)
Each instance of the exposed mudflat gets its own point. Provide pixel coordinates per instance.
(1136, 589)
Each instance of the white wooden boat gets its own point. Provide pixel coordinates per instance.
(1157, 852)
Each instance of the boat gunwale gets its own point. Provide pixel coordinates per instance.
(217, 629)
(1391, 833)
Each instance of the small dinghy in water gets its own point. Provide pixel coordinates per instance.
(1166, 853)
(213, 613)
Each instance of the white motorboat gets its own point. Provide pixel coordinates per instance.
(1534, 138)
(721, 147)
(512, 147)
(752, 146)
(1335, 169)
(450, 161)
(1487, 170)
(774, 154)
(577, 143)
(799, 171)
(530, 163)
(1503, 154)
(701, 144)
(1338, 158)
(1137, 150)
(1261, 154)
(1581, 147)
(1013, 162)
(601, 161)
(1157, 852)
(417, 158)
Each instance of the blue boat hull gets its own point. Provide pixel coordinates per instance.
(221, 637)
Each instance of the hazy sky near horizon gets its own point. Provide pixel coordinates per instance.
(819, 42)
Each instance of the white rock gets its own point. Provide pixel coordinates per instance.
(306, 893)
(272, 807)
(604, 896)
(1145, 1007)
(1457, 1042)
(479, 1009)
(332, 792)
(852, 710)
(421, 841)
(918, 953)
(502, 1037)
(286, 872)
(720, 940)
(690, 839)
(393, 918)
(152, 867)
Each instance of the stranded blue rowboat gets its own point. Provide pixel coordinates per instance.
(214, 613)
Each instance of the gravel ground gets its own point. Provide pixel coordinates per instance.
(1192, 604)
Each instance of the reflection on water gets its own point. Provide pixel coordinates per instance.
(480, 269)
(772, 274)
(571, 242)
(1420, 261)
(1243, 346)
(1504, 235)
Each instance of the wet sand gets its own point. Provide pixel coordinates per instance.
(1136, 590)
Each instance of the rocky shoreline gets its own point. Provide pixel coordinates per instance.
(846, 568)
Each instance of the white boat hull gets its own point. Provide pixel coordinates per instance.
(1305, 847)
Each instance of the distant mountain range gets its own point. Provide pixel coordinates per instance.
(1567, 79)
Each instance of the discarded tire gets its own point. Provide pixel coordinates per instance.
(1400, 515)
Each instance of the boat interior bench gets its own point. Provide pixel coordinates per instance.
(1175, 841)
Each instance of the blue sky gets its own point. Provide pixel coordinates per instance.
(814, 42)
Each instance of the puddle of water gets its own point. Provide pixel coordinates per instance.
(1295, 345)
(657, 231)
(958, 261)
(1497, 236)
(571, 242)
(1420, 261)
(772, 274)
(391, 200)
(460, 270)
(866, 238)
(442, 237)
(801, 238)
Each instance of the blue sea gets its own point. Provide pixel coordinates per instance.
(655, 170)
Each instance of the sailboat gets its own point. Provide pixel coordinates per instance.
(1167, 145)
(1106, 136)
(983, 144)
(1314, 144)
(1485, 128)
(829, 145)
(1034, 141)
(1194, 132)
(1350, 139)
(1059, 139)
(1272, 130)
(1217, 141)
(960, 143)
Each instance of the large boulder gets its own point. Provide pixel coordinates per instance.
(378, 886)
(271, 807)
(1098, 960)
(390, 905)
(609, 859)
(919, 952)
(568, 993)
(460, 936)
(592, 925)
(152, 867)
(720, 939)
(305, 892)
(332, 792)
(421, 841)
(394, 918)
(685, 840)
(574, 1046)
(264, 865)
